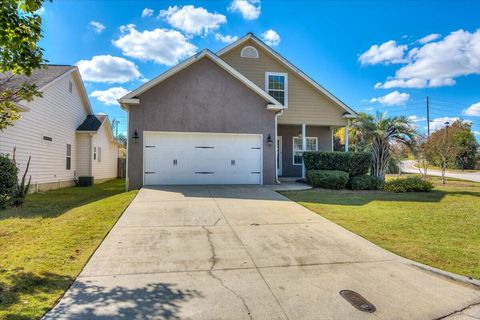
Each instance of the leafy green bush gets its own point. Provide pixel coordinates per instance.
(364, 183)
(8, 179)
(354, 163)
(411, 184)
(329, 179)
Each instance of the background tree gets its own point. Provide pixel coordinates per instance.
(466, 144)
(20, 32)
(441, 150)
(420, 154)
(379, 133)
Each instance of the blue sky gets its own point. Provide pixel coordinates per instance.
(367, 53)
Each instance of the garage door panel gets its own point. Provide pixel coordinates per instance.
(198, 158)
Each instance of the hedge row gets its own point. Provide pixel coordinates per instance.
(354, 163)
(329, 179)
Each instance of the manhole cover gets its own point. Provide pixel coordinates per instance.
(356, 300)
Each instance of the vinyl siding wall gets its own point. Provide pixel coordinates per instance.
(57, 114)
(106, 168)
(84, 155)
(305, 103)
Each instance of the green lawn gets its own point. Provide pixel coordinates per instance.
(45, 243)
(440, 228)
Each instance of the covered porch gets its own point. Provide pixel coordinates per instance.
(293, 140)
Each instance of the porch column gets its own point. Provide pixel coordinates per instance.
(304, 146)
(346, 138)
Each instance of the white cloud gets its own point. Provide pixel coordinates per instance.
(97, 26)
(386, 53)
(108, 69)
(438, 63)
(162, 46)
(192, 20)
(394, 98)
(147, 12)
(477, 133)
(249, 9)
(109, 96)
(416, 118)
(40, 11)
(225, 38)
(401, 83)
(271, 37)
(473, 110)
(439, 123)
(429, 38)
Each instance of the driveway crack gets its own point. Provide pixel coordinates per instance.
(459, 311)
(213, 259)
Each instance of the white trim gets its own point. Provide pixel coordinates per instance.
(249, 47)
(260, 135)
(127, 151)
(285, 89)
(293, 68)
(204, 54)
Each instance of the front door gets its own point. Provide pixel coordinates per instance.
(279, 155)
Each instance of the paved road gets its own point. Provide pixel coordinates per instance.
(247, 253)
(408, 167)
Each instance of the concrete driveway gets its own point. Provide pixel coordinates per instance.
(235, 252)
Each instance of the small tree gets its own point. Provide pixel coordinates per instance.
(20, 32)
(441, 149)
(420, 154)
(465, 143)
(380, 132)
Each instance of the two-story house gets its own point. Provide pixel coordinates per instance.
(241, 116)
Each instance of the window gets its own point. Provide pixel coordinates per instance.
(249, 52)
(70, 86)
(312, 145)
(99, 154)
(276, 84)
(94, 153)
(46, 138)
(68, 164)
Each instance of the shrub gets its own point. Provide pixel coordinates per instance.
(364, 183)
(8, 179)
(329, 179)
(354, 163)
(411, 184)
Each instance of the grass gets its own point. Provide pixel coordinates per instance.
(439, 228)
(45, 243)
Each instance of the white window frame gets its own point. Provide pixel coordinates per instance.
(99, 154)
(68, 156)
(242, 53)
(293, 148)
(283, 74)
(94, 153)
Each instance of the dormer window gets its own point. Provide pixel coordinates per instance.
(276, 85)
(249, 52)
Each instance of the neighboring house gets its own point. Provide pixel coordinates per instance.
(241, 116)
(60, 132)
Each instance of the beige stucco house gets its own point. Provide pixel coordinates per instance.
(241, 116)
(60, 132)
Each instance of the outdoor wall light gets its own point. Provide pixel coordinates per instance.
(135, 136)
(269, 141)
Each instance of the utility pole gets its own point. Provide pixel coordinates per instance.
(115, 125)
(428, 118)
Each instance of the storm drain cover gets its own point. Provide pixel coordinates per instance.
(356, 300)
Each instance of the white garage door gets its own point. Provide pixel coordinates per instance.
(202, 158)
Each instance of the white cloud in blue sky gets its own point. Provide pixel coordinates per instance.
(110, 96)
(394, 98)
(429, 38)
(271, 37)
(147, 12)
(162, 46)
(97, 26)
(108, 69)
(249, 9)
(193, 20)
(473, 110)
(387, 53)
(225, 38)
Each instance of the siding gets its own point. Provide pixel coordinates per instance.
(107, 167)
(83, 155)
(57, 114)
(305, 103)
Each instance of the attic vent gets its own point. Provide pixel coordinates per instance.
(249, 52)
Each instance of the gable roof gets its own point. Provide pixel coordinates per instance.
(40, 77)
(92, 123)
(350, 113)
(132, 97)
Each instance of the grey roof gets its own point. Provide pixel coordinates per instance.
(40, 77)
(92, 123)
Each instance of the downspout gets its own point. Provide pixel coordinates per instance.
(277, 114)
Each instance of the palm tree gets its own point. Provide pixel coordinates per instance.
(379, 133)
